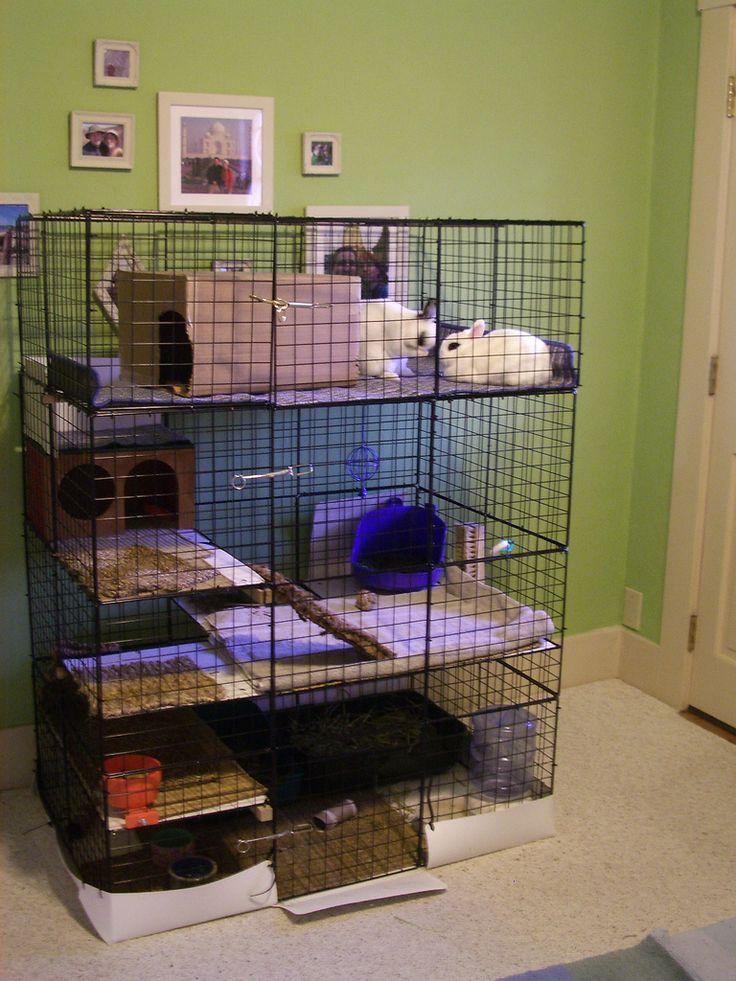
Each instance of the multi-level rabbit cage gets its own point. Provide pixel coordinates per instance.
(293, 622)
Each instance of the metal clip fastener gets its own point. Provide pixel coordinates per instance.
(240, 480)
(281, 306)
(242, 845)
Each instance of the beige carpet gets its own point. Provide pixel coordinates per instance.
(646, 840)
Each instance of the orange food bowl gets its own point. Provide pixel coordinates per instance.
(131, 781)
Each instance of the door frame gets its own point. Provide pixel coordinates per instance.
(668, 677)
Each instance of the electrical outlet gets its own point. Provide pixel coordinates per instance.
(633, 602)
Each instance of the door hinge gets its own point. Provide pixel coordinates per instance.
(731, 97)
(713, 375)
(692, 633)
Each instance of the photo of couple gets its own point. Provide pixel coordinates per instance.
(101, 140)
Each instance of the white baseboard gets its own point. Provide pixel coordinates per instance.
(656, 669)
(616, 652)
(17, 757)
(593, 656)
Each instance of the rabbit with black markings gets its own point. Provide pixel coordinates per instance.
(390, 333)
(504, 358)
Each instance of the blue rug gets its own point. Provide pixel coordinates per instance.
(707, 954)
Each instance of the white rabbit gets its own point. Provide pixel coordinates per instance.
(390, 333)
(507, 357)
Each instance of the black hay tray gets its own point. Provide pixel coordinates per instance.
(370, 740)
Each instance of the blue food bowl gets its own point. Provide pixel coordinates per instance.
(399, 548)
(192, 870)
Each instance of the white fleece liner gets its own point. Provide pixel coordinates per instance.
(462, 619)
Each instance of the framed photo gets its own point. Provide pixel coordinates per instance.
(321, 153)
(378, 253)
(106, 291)
(215, 152)
(102, 140)
(231, 265)
(17, 250)
(116, 63)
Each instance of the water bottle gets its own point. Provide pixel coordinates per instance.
(502, 749)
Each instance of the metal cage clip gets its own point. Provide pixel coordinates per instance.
(281, 306)
(240, 480)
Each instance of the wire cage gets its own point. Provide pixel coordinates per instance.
(297, 512)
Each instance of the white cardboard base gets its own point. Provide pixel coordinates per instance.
(480, 834)
(124, 916)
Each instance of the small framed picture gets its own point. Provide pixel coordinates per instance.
(231, 265)
(116, 63)
(361, 241)
(215, 152)
(97, 140)
(17, 251)
(321, 153)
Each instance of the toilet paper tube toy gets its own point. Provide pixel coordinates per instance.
(335, 815)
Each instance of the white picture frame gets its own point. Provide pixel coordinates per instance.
(321, 154)
(231, 265)
(195, 131)
(115, 151)
(325, 239)
(117, 63)
(13, 206)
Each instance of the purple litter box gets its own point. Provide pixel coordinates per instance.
(398, 548)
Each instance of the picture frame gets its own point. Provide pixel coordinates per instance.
(104, 140)
(321, 154)
(198, 135)
(364, 246)
(105, 291)
(12, 207)
(117, 63)
(231, 265)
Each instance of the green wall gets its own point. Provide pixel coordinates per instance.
(664, 302)
(577, 109)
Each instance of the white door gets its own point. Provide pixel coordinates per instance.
(701, 550)
(713, 685)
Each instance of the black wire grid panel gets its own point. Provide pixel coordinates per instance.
(297, 532)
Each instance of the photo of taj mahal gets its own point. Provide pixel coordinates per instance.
(216, 155)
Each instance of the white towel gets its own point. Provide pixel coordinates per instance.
(464, 619)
